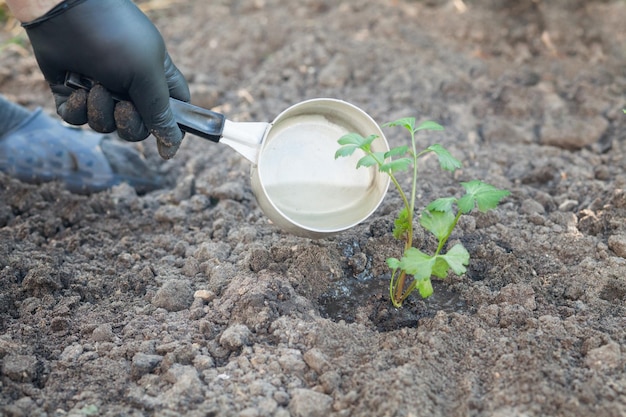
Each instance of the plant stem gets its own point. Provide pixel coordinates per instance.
(414, 188)
(403, 196)
(396, 290)
(399, 290)
(408, 291)
(392, 290)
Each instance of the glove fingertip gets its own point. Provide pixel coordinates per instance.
(169, 140)
(165, 151)
(130, 126)
(100, 107)
(74, 109)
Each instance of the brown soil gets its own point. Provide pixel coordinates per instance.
(97, 308)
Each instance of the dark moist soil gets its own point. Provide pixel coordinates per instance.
(187, 301)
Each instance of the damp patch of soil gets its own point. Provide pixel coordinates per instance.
(188, 301)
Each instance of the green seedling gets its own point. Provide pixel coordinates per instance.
(439, 217)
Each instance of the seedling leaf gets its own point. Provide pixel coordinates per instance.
(438, 223)
(397, 151)
(402, 224)
(428, 125)
(480, 194)
(401, 164)
(457, 257)
(346, 150)
(366, 161)
(425, 287)
(441, 267)
(393, 263)
(356, 139)
(441, 204)
(417, 263)
(446, 160)
(407, 122)
(372, 159)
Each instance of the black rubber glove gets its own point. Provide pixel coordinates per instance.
(115, 44)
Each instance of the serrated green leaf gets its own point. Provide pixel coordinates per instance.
(393, 263)
(466, 203)
(346, 150)
(417, 263)
(375, 158)
(446, 160)
(367, 161)
(401, 164)
(356, 139)
(440, 268)
(442, 204)
(480, 194)
(425, 287)
(438, 223)
(407, 122)
(457, 257)
(397, 151)
(429, 125)
(351, 139)
(402, 224)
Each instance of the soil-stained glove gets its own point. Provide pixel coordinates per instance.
(115, 44)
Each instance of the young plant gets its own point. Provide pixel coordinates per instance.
(439, 217)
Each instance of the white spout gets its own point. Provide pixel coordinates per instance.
(245, 138)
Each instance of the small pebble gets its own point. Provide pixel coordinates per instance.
(204, 295)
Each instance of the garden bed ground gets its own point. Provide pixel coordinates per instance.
(97, 307)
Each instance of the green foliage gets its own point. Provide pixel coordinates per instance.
(485, 196)
(446, 160)
(439, 217)
(4, 13)
(402, 224)
(10, 26)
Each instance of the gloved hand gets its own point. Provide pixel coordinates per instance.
(115, 44)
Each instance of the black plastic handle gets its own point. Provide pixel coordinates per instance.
(197, 120)
(193, 119)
